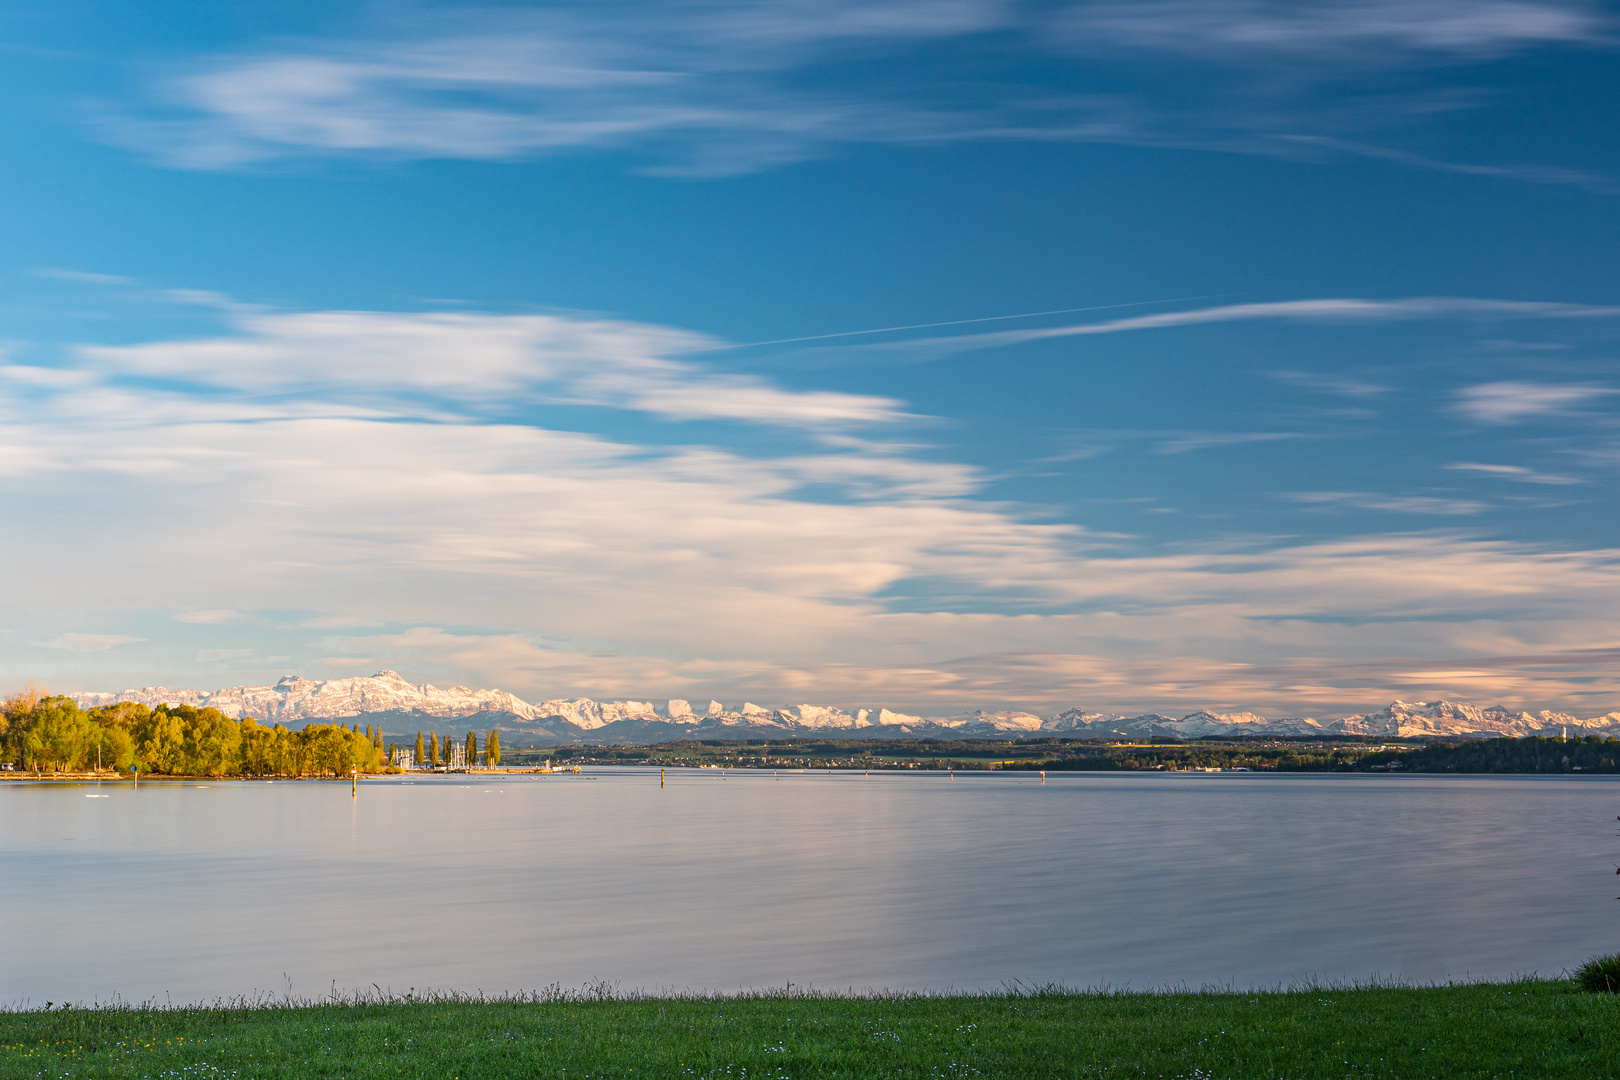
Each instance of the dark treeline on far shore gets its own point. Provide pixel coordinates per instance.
(1535, 754)
(52, 734)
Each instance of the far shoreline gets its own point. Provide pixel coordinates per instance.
(1038, 775)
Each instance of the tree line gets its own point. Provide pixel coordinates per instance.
(52, 734)
(1532, 754)
(431, 753)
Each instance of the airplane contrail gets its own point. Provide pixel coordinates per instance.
(963, 322)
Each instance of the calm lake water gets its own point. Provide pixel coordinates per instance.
(187, 892)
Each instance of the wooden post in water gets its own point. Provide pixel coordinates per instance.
(1043, 777)
(660, 779)
(354, 782)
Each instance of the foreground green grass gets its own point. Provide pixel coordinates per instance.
(1527, 1029)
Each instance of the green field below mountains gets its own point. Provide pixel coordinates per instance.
(1521, 1029)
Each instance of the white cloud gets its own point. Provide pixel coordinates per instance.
(1204, 440)
(1372, 32)
(1338, 384)
(487, 359)
(557, 562)
(700, 81)
(87, 642)
(739, 85)
(84, 277)
(208, 617)
(1512, 472)
(1394, 504)
(1515, 401)
(45, 378)
(339, 622)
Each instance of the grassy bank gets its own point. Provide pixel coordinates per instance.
(1526, 1029)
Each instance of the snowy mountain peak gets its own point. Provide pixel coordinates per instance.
(295, 700)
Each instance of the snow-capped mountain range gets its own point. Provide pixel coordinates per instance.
(387, 698)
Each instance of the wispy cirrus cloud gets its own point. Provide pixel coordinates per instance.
(209, 617)
(1514, 401)
(740, 85)
(1204, 440)
(1372, 32)
(1520, 473)
(1338, 384)
(87, 643)
(1390, 504)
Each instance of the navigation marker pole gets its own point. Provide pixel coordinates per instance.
(660, 779)
(1043, 777)
(354, 782)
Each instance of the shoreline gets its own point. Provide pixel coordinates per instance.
(159, 778)
(20, 776)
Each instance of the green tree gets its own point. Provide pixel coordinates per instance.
(492, 748)
(53, 733)
(163, 742)
(215, 742)
(420, 759)
(262, 749)
(117, 748)
(433, 745)
(472, 750)
(63, 734)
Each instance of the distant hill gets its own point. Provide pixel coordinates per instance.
(386, 698)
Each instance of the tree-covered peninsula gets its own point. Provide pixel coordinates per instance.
(52, 734)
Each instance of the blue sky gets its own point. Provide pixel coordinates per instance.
(935, 355)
